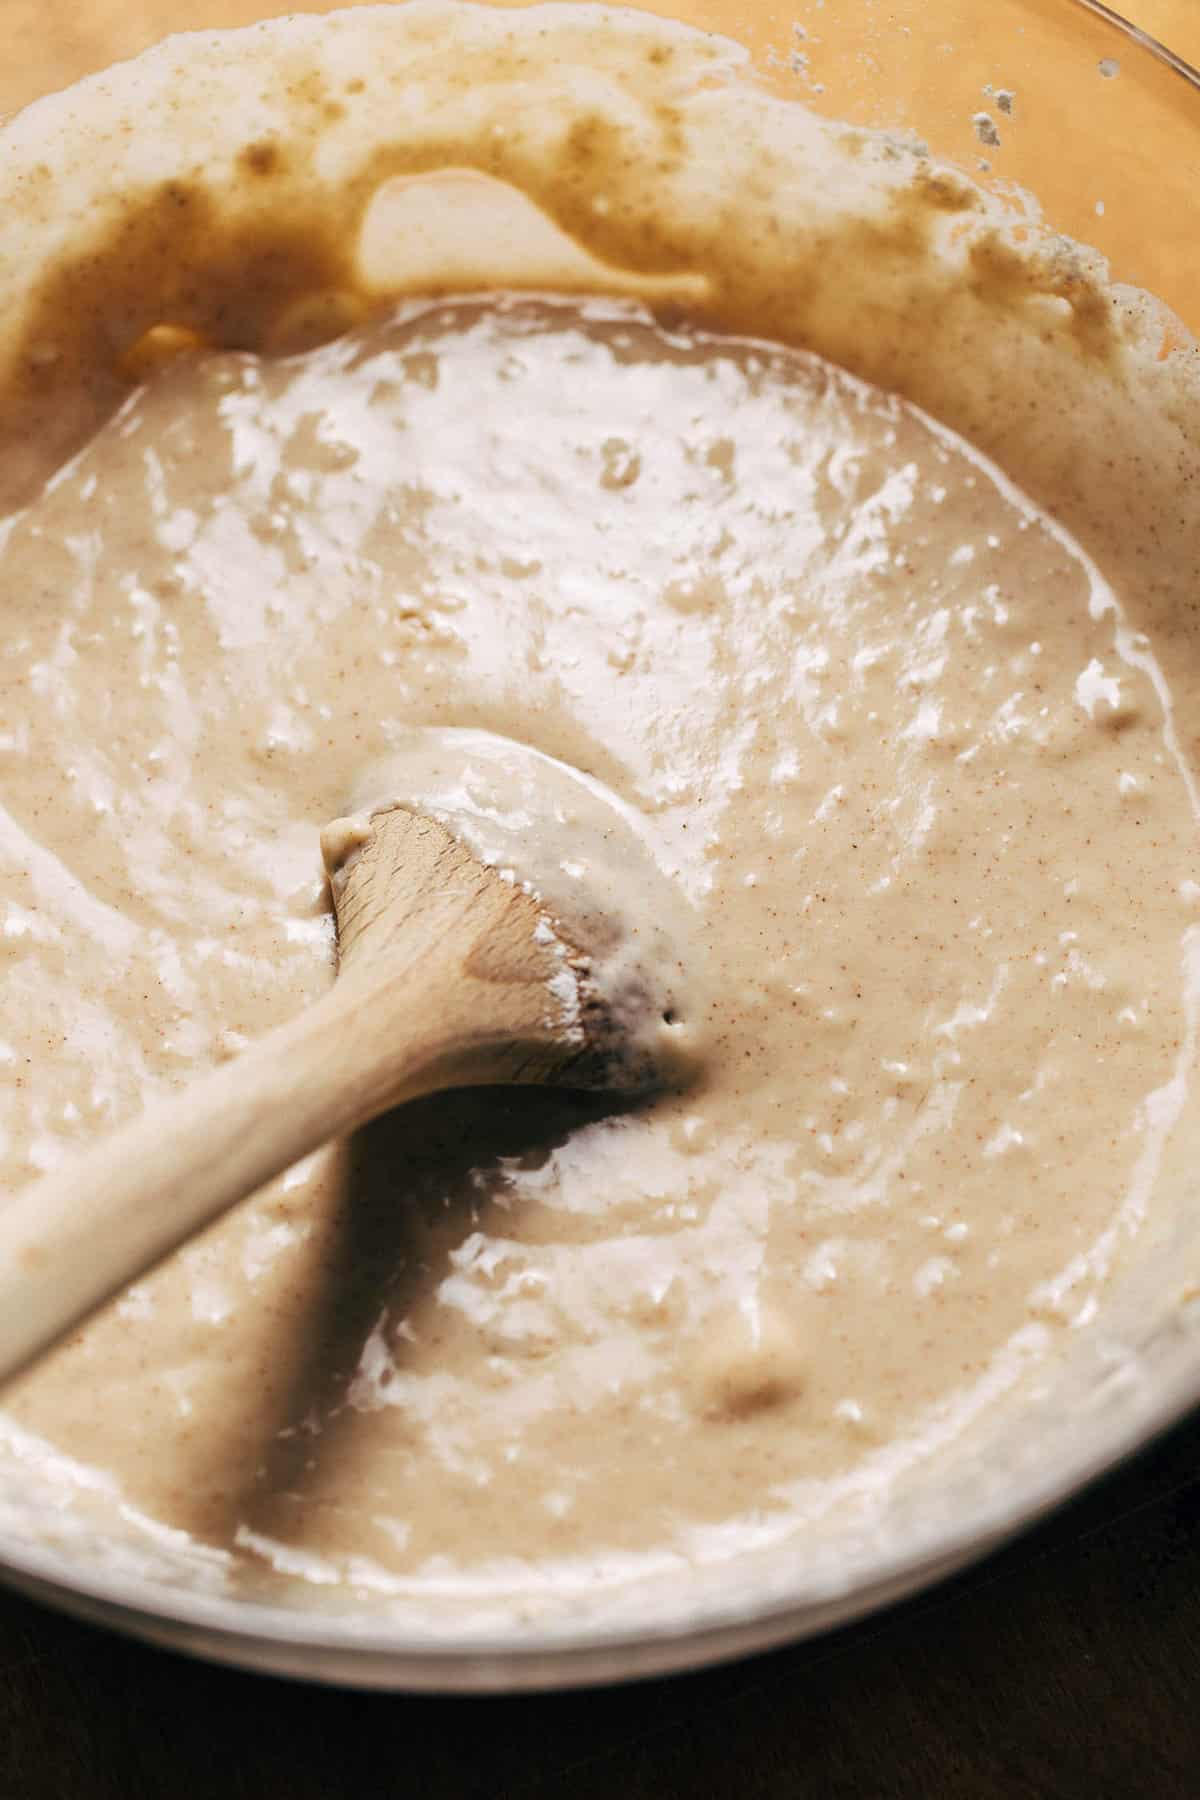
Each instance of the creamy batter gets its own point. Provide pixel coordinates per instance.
(901, 758)
(893, 744)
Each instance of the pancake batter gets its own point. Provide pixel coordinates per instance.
(918, 769)
(895, 746)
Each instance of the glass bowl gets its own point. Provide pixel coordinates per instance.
(1061, 98)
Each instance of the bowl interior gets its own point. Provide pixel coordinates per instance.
(1053, 98)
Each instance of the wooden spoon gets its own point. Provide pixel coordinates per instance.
(450, 975)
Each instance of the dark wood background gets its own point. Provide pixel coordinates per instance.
(1065, 1668)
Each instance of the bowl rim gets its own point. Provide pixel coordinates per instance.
(361, 1652)
(1145, 39)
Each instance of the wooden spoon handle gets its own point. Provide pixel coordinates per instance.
(444, 983)
(71, 1240)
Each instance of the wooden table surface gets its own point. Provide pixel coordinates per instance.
(1065, 1668)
